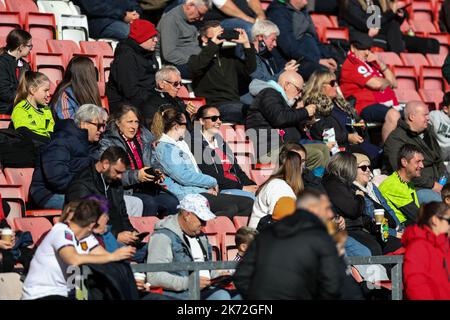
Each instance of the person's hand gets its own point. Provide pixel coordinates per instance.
(327, 63)
(127, 237)
(4, 245)
(399, 235)
(144, 177)
(341, 223)
(311, 108)
(359, 193)
(437, 187)
(162, 177)
(243, 38)
(141, 285)
(299, 104)
(372, 57)
(331, 144)
(213, 190)
(363, 124)
(291, 66)
(130, 16)
(333, 63)
(373, 32)
(190, 108)
(355, 138)
(204, 282)
(251, 189)
(123, 253)
(216, 32)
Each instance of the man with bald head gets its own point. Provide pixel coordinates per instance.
(416, 130)
(276, 112)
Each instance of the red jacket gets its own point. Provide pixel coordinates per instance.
(426, 264)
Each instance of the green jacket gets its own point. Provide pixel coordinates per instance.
(433, 164)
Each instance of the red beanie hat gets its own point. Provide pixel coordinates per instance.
(142, 30)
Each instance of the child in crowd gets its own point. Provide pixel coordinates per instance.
(440, 120)
(31, 115)
(244, 236)
(445, 194)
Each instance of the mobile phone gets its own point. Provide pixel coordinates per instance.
(229, 35)
(152, 172)
(141, 236)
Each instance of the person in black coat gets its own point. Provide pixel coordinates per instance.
(133, 69)
(13, 66)
(292, 259)
(73, 147)
(216, 158)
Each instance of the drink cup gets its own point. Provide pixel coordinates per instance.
(379, 215)
(7, 235)
(140, 277)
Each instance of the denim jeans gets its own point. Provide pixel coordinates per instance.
(215, 293)
(239, 192)
(428, 195)
(55, 202)
(162, 204)
(117, 30)
(355, 249)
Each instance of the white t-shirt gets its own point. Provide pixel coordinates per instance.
(197, 255)
(47, 275)
(267, 199)
(219, 3)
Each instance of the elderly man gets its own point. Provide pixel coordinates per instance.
(365, 77)
(178, 238)
(416, 130)
(73, 146)
(179, 34)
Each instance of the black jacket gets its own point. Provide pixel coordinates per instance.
(216, 72)
(210, 163)
(9, 81)
(310, 181)
(269, 111)
(293, 259)
(132, 75)
(329, 122)
(89, 182)
(345, 202)
(68, 152)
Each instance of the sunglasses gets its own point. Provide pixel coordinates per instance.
(214, 118)
(98, 125)
(365, 168)
(174, 83)
(332, 83)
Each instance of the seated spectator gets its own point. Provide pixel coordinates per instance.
(183, 175)
(334, 113)
(179, 238)
(348, 201)
(440, 120)
(373, 198)
(168, 83)
(179, 34)
(78, 87)
(13, 66)
(63, 247)
(125, 131)
(216, 158)
(387, 34)
(109, 18)
(134, 66)
(73, 147)
(445, 193)
(327, 7)
(398, 189)
(104, 178)
(365, 77)
(298, 35)
(416, 130)
(216, 71)
(243, 238)
(446, 69)
(274, 109)
(444, 17)
(299, 242)
(285, 182)
(31, 116)
(425, 268)
(284, 207)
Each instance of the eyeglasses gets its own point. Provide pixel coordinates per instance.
(98, 125)
(174, 83)
(214, 118)
(332, 83)
(444, 218)
(365, 168)
(299, 89)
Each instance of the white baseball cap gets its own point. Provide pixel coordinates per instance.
(197, 204)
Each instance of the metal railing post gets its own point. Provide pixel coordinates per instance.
(194, 285)
(397, 281)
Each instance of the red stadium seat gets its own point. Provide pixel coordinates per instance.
(406, 95)
(9, 21)
(214, 241)
(240, 222)
(334, 21)
(36, 226)
(65, 47)
(423, 26)
(51, 64)
(261, 175)
(105, 67)
(12, 194)
(414, 59)
(431, 78)
(144, 224)
(436, 60)
(240, 133)
(224, 228)
(422, 10)
(183, 92)
(245, 162)
(197, 102)
(243, 148)
(5, 120)
(433, 98)
(101, 48)
(41, 25)
(321, 20)
(22, 6)
(39, 45)
(227, 132)
(390, 58)
(335, 33)
(406, 77)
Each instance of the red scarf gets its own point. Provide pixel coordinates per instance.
(135, 158)
(226, 164)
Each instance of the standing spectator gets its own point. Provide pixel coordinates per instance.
(440, 120)
(63, 247)
(298, 35)
(109, 18)
(285, 182)
(13, 66)
(179, 34)
(78, 87)
(416, 130)
(295, 258)
(398, 189)
(425, 265)
(183, 175)
(216, 159)
(73, 147)
(368, 79)
(134, 66)
(31, 116)
(125, 130)
(216, 71)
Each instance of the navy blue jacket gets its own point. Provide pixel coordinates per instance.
(68, 152)
(101, 13)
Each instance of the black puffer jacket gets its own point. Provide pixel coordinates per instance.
(9, 80)
(293, 259)
(132, 75)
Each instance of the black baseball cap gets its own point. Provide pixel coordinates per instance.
(361, 41)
